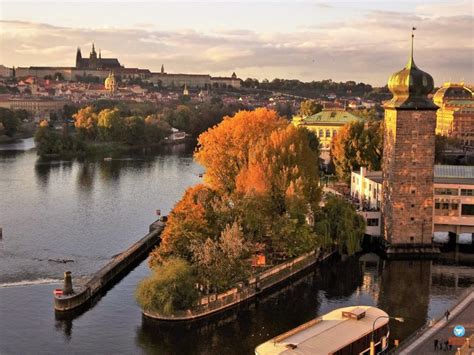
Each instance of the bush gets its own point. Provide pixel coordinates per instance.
(170, 287)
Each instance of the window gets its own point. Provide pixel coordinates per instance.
(372, 222)
(445, 206)
(467, 210)
(454, 206)
(328, 133)
(321, 133)
(451, 192)
(467, 192)
(334, 132)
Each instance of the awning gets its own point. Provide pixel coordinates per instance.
(441, 237)
(465, 238)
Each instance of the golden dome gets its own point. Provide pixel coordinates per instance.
(410, 87)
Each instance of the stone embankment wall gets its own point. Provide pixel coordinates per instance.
(255, 285)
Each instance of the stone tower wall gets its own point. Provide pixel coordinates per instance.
(408, 172)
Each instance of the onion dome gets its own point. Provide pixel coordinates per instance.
(410, 87)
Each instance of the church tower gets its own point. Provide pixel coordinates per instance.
(93, 58)
(78, 58)
(408, 160)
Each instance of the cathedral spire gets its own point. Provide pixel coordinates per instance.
(100, 54)
(162, 69)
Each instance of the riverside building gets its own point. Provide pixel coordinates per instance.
(452, 213)
(455, 116)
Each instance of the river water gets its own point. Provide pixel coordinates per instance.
(88, 211)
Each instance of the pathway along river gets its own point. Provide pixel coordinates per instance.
(89, 211)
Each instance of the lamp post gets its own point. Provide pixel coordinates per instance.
(372, 342)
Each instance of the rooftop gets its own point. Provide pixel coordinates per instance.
(325, 334)
(445, 174)
(331, 116)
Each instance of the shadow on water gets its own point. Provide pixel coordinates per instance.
(241, 329)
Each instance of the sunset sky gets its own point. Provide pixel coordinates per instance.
(307, 40)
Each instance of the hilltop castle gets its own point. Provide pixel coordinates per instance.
(96, 68)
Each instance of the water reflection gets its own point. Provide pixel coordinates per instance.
(401, 288)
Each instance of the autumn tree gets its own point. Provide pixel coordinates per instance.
(223, 262)
(85, 121)
(188, 221)
(309, 108)
(224, 150)
(357, 144)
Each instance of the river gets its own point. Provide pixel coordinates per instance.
(88, 211)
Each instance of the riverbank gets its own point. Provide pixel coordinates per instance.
(462, 313)
(254, 286)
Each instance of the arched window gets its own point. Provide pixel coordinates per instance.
(328, 133)
(334, 133)
(321, 134)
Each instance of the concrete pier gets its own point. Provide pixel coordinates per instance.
(75, 296)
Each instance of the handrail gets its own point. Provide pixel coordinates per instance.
(256, 284)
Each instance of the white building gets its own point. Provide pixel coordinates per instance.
(453, 194)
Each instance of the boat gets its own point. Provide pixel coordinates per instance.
(347, 330)
(108, 159)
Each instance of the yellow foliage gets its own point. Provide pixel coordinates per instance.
(44, 124)
(85, 118)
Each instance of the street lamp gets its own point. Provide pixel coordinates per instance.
(372, 342)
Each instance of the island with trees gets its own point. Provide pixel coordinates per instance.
(260, 205)
(109, 126)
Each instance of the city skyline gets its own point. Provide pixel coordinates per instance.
(304, 40)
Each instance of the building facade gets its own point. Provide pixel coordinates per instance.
(453, 195)
(325, 125)
(408, 159)
(455, 116)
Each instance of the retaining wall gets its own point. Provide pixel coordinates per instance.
(256, 285)
(110, 271)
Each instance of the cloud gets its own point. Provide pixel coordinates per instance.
(367, 48)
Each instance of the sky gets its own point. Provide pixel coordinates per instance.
(365, 41)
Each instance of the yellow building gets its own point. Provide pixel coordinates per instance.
(455, 116)
(326, 124)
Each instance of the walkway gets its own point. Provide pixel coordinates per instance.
(461, 314)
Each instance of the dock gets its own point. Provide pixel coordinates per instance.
(462, 313)
(81, 294)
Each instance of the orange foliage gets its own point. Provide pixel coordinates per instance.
(186, 221)
(224, 149)
(85, 118)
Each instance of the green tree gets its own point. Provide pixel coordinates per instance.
(169, 288)
(340, 223)
(309, 108)
(9, 121)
